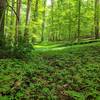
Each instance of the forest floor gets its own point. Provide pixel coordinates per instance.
(53, 73)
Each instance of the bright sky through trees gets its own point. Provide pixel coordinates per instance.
(48, 2)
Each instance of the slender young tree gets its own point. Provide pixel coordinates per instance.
(2, 19)
(12, 12)
(36, 10)
(96, 18)
(58, 18)
(18, 10)
(69, 20)
(79, 18)
(52, 19)
(28, 10)
(6, 16)
(43, 21)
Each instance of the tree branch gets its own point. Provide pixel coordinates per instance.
(13, 10)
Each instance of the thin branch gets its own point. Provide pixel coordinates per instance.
(13, 10)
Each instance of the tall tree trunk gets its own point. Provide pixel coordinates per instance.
(12, 13)
(79, 17)
(43, 23)
(69, 20)
(6, 16)
(35, 18)
(26, 34)
(2, 19)
(52, 19)
(18, 10)
(96, 16)
(36, 10)
(59, 25)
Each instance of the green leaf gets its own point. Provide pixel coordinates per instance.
(76, 95)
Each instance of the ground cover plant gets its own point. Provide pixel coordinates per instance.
(66, 74)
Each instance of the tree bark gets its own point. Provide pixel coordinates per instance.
(36, 10)
(79, 18)
(96, 16)
(69, 20)
(43, 23)
(26, 34)
(51, 37)
(12, 12)
(2, 19)
(18, 10)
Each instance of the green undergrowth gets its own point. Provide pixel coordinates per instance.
(69, 73)
(48, 45)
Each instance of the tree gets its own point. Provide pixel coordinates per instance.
(18, 20)
(26, 34)
(2, 19)
(51, 37)
(69, 21)
(52, 20)
(43, 21)
(96, 16)
(12, 12)
(36, 10)
(79, 17)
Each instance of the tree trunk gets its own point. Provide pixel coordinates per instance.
(26, 34)
(12, 13)
(59, 25)
(43, 23)
(69, 20)
(18, 10)
(36, 10)
(79, 15)
(96, 16)
(52, 19)
(2, 19)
